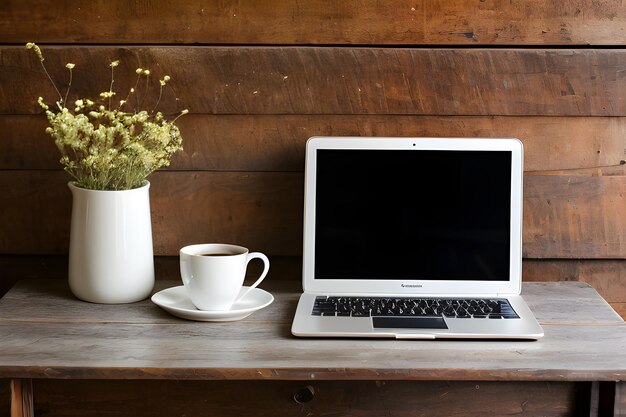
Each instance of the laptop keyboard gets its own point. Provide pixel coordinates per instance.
(461, 308)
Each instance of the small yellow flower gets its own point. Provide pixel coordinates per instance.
(79, 105)
(138, 71)
(42, 103)
(107, 94)
(31, 45)
(69, 65)
(114, 64)
(146, 72)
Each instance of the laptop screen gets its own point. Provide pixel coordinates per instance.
(412, 214)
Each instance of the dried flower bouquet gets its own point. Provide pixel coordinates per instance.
(103, 146)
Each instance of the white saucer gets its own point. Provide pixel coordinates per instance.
(175, 301)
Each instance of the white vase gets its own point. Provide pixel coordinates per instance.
(111, 259)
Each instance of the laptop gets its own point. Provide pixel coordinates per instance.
(413, 238)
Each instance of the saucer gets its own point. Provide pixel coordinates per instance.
(175, 301)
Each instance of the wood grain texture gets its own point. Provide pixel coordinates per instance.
(262, 211)
(15, 388)
(602, 274)
(50, 301)
(583, 342)
(572, 213)
(22, 404)
(18, 267)
(608, 277)
(619, 409)
(277, 142)
(455, 22)
(14, 268)
(620, 308)
(594, 399)
(332, 80)
(254, 107)
(566, 216)
(276, 398)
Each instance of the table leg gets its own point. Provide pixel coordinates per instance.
(594, 403)
(22, 398)
(619, 409)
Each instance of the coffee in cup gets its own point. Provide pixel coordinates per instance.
(213, 274)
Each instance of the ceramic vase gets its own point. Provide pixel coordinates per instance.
(111, 259)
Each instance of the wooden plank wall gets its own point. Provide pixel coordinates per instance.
(260, 77)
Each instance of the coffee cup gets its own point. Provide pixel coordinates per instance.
(213, 274)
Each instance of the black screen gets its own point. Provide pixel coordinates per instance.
(413, 215)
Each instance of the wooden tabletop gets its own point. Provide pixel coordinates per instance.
(46, 333)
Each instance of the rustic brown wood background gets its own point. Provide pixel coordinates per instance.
(260, 77)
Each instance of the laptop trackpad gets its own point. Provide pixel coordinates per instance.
(409, 322)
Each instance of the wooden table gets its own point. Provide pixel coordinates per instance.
(255, 366)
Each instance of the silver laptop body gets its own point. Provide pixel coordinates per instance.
(413, 238)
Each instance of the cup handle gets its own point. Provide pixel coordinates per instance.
(266, 268)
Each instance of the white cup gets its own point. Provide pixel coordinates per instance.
(213, 274)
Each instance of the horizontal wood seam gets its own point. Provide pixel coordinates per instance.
(565, 171)
(282, 321)
(304, 374)
(509, 46)
(130, 323)
(573, 170)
